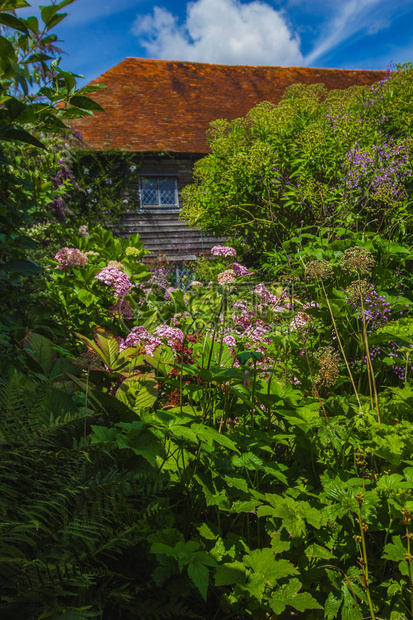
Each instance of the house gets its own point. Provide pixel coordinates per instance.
(162, 109)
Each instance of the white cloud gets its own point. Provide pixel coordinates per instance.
(355, 17)
(221, 31)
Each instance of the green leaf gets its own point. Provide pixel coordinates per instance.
(138, 391)
(255, 585)
(11, 134)
(108, 345)
(331, 606)
(42, 350)
(48, 12)
(264, 562)
(56, 20)
(22, 266)
(6, 48)
(238, 483)
(206, 532)
(230, 574)
(247, 506)
(80, 101)
(318, 552)
(200, 576)
(13, 22)
(390, 482)
(208, 434)
(289, 595)
(32, 24)
(395, 550)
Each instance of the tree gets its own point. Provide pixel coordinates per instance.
(38, 101)
(316, 158)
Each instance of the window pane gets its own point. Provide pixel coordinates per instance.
(167, 191)
(149, 191)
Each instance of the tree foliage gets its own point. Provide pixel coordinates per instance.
(315, 158)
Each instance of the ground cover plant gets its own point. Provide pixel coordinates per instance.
(238, 446)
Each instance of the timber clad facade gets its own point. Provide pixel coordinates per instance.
(159, 226)
(162, 110)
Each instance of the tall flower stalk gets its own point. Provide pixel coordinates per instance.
(319, 270)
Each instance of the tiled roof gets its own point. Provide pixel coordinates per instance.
(161, 105)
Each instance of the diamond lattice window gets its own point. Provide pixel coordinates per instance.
(159, 192)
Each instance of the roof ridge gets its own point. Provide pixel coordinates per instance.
(212, 64)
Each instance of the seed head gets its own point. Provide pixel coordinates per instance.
(329, 367)
(364, 288)
(89, 360)
(318, 270)
(357, 259)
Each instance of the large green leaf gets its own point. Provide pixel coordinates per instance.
(230, 573)
(138, 391)
(263, 561)
(42, 350)
(80, 101)
(18, 134)
(200, 576)
(208, 434)
(21, 266)
(13, 22)
(289, 595)
(108, 344)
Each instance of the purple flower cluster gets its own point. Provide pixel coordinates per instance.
(265, 295)
(160, 277)
(172, 335)
(242, 316)
(384, 166)
(222, 250)
(176, 319)
(63, 174)
(58, 208)
(116, 278)
(139, 336)
(240, 270)
(167, 295)
(70, 257)
(377, 311)
(226, 277)
(300, 320)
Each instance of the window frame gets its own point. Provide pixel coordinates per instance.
(158, 205)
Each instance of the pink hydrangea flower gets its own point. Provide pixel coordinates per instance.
(176, 319)
(167, 295)
(83, 231)
(70, 257)
(116, 278)
(222, 250)
(172, 335)
(240, 270)
(230, 340)
(139, 336)
(266, 296)
(300, 320)
(226, 277)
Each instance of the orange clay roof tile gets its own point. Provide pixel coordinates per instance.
(162, 105)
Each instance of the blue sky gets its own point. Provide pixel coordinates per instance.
(349, 34)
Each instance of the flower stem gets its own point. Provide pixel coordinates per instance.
(341, 347)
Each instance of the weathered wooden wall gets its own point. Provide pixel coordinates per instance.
(159, 227)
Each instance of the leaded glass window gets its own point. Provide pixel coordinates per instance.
(159, 192)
